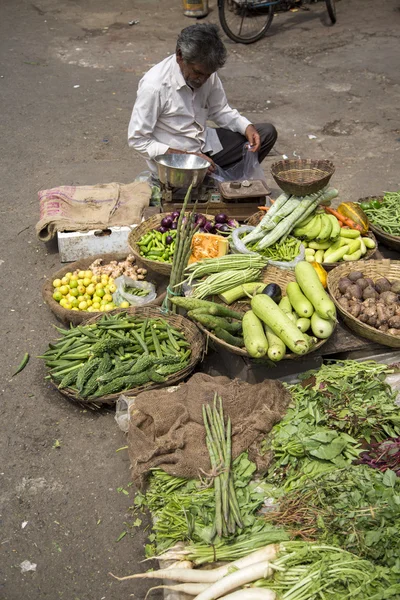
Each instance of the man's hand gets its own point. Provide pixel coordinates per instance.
(253, 137)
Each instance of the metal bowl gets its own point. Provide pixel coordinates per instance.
(181, 170)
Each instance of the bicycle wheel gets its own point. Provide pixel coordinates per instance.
(245, 21)
(331, 8)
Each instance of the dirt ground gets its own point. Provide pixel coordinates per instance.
(68, 77)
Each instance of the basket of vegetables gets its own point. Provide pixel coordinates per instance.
(85, 288)
(128, 352)
(274, 314)
(153, 241)
(383, 213)
(367, 296)
(328, 236)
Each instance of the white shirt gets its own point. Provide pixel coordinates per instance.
(169, 114)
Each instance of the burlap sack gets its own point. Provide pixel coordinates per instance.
(166, 427)
(70, 208)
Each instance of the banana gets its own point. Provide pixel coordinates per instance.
(314, 233)
(326, 228)
(305, 221)
(335, 227)
(301, 232)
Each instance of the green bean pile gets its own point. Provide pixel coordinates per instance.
(286, 250)
(387, 216)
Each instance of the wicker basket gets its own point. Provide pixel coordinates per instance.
(270, 274)
(137, 233)
(373, 269)
(391, 241)
(74, 316)
(303, 176)
(192, 335)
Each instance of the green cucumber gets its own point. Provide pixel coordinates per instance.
(369, 242)
(300, 303)
(354, 246)
(266, 310)
(321, 328)
(253, 334)
(241, 291)
(337, 255)
(312, 288)
(354, 256)
(276, 348)
(349, 233)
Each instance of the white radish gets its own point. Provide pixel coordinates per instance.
(235, 580)
(183, 575)
(251, 594)
(267, 553)
(192, 589)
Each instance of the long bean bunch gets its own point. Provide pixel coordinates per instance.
(230, 262)
(219, 445)
(185, 231)
(221, 282)
(387, 215)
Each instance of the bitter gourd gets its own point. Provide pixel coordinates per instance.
(154, 376)
(108, 345)
(87, 370)
(69, 379)
(119, 371)
(171, 369)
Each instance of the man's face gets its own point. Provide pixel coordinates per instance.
(194, 74)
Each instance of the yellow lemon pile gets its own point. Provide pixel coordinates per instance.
(82, 290)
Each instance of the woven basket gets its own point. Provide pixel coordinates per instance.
(391, 241)
(270, 274)
(152, 223)
(303, 176)
(373, 269)
(137, 233)
(192, 335)
(74, 316)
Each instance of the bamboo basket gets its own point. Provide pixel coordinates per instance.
(301, 177)
(373, 269)
(74, 316)
(192, 335)
(138, 232)
(270, 274)
(391, 241)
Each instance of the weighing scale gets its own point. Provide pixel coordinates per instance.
(238, 199)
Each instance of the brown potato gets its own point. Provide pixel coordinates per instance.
(384, 327)
(396, 287)
(369, 292)
(344, 283)
(372, 321)
(362, 283)
(354, 275)
(353, 291)
(383, 285)
(393, 331)
(394, 322)
(389, 297)
(344, 303)
(370, 281)
(355, 310)
(381, 313)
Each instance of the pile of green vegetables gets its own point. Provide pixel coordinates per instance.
(346, 514)
(385, 214)
(118, 352)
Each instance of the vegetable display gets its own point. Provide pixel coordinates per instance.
(385, 214)
(375, 303)
(159, 244)
(92, 290)
(273, 323)
(117, 353)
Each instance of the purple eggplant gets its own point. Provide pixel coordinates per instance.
(201, 221)
(232, 223)
(169, 239)
(174, 225)
(175, 214)
(167, 222)
(162, 229)
(209, 227)
(221, 218)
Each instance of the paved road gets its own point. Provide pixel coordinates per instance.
(340, 84)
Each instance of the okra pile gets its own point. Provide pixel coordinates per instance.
(118, 353)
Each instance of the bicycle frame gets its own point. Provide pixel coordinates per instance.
(254, 3)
